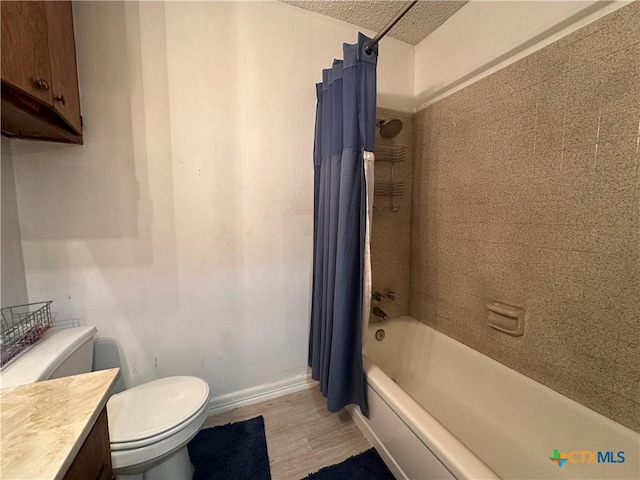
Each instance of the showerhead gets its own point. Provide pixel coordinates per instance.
(389, 128)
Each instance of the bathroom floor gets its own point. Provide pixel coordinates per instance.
(302, 437)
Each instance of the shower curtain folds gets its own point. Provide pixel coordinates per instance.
(345, 133)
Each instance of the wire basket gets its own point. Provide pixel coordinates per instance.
(22, 325)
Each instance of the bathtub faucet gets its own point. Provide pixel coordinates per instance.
(388, 293)
(378, 312)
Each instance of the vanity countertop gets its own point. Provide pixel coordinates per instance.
(44, 424)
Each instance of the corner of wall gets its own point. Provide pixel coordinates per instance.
(484, 37)
(14, 284)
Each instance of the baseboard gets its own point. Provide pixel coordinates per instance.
(370, 435)
(224, 403)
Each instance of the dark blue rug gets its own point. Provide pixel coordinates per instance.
(233, 451)
(366, 466)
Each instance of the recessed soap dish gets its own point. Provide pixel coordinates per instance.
(506, 318)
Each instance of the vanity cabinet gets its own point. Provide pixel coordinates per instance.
(40, 98)
(93, 461)
(56, 429)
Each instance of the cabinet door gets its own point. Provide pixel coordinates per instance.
(25, 50)
(62, 55)
(93, 461)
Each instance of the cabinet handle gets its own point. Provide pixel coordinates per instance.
(60, 98)
(41, 84)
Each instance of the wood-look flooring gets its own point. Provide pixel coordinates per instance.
(302, 436)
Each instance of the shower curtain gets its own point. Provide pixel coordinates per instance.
(344, 142)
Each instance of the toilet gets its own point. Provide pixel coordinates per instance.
(149, 425)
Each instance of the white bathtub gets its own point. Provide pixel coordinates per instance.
(439, 409)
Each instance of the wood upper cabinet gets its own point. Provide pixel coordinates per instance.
(25, 48)
(62, 57)
(40, 97)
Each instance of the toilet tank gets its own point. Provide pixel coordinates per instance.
(59, 353)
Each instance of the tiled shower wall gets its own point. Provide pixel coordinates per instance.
(391, 225)
(526, 191)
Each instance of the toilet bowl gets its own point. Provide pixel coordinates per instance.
(151, 424)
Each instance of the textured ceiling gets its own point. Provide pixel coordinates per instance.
(421, 20)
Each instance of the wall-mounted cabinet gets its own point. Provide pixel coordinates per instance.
(40, 97)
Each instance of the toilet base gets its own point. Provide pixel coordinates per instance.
(176, 466)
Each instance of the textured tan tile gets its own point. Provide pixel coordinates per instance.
(597, 340)
(574, 185)
(607, 37)
(582, 119)
(611, 183)
(612, 300)
(574, 237)
(536, 369)
(624, 240)
(625, 412)
(391, 260)
(546, 180)
(549, 293)
(627, 379)
(496, 233)
(620, 118)
(583, 85)
(508, 79)
(504, 284)
(516, 104)
(507, 213)
(546, 336)
(532, 197)
(586, 392)
(552, 62)
(549, 131)
(384, 241)
(542, 213)
(620, 71)
(427, 310)
(620, 209)
(620, 154)
(576, 211)
(579, 160)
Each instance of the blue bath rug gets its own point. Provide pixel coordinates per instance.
(366, 466)
(233, 451)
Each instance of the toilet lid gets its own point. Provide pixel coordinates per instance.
(153, 408)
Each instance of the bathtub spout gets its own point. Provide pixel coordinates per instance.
(378, 312)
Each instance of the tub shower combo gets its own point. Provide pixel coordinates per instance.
(439, 409)
(434, 407)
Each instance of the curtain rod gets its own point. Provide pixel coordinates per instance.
(389, 26)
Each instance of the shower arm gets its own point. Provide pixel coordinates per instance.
(369, 46)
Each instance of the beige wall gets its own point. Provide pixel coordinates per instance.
(526, 191)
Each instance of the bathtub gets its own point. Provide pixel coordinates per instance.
(441, 410)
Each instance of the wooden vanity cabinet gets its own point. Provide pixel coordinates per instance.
(40, 98)
(93, 461)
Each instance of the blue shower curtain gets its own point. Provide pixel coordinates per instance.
(345, 130)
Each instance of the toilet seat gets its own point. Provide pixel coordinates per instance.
(131, 461)
(154, 411)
